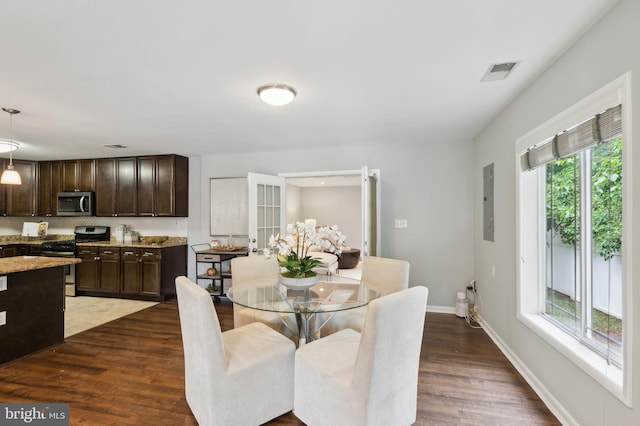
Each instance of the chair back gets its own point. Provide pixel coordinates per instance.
(385, 275)
(204, 356)
(386, 369)
(253, 271)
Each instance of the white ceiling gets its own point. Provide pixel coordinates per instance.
(167, 76)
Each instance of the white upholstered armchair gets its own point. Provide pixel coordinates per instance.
(368, 379)
(379, 274)
(242, 376)
(249, 272)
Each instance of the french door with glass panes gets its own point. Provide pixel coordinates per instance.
(266, 210)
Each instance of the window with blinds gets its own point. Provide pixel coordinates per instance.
(574, 235)
(601, 128)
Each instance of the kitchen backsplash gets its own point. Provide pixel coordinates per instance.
(172, 227)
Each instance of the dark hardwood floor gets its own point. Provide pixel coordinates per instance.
(130, 372)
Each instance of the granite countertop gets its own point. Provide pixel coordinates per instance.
(18, 239)
(10, 265)
(170, 242)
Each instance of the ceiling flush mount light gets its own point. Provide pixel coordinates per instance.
(7, 145)
(10, 175)
(276, 94)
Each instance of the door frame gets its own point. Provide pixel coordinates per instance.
(365, 215)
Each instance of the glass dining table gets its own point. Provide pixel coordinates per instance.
(311, 307)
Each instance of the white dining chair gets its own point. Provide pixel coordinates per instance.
(249, 272)
(368, 378)
(242, 376)
(379, 274)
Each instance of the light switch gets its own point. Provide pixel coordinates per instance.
(3, 317)
(401, 223)
(3, 283)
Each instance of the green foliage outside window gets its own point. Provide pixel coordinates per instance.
(563, 198)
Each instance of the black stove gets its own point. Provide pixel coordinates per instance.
(83, 234)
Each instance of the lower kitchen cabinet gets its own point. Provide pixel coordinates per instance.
(151, 272)
(87, 272)
(110, 270)
(140, 273)
(130, 271)
(99, 271)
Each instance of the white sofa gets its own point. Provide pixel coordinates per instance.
(329, 262)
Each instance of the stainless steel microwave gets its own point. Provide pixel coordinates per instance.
(76, 203)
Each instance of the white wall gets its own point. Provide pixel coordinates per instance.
(575, 75)
(429, 184)
(338, 205)
(172, 227)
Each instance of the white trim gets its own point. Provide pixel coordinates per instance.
(441, 309)
(529, 294)
(318, 174)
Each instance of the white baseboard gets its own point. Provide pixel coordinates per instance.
(538, 387)
(441, 309)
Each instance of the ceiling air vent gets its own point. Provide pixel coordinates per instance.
(499, 71)
(115, 146)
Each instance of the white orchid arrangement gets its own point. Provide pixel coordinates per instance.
(293, 248)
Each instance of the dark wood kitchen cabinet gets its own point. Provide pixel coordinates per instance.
(19, 200)
(110, 270)
(151, 277)
(116, 186)
(145, 273)
(8, 250)
(163, 186)
(49, 184)
(131, 267)
(87, 272)
(78, 175)
(100, 270)
(141, 271)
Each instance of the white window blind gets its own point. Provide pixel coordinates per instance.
(600, 128)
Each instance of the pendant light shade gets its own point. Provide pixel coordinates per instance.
(10, 175)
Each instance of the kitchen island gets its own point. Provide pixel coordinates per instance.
(31, 304)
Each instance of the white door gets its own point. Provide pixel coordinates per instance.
(266, 210)
(370, 212)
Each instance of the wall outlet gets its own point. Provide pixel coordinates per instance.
(3, 317)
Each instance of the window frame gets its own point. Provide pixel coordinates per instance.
(530, 238)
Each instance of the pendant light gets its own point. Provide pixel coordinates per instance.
(10, 175)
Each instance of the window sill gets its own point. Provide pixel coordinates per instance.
(609, 376)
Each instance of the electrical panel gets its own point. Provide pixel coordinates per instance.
(487, 203)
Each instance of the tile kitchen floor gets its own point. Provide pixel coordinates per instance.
(84, 312)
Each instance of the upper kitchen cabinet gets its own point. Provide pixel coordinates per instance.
(49, 184)
(163, 186)
(20, 200)
(116, 186)
(78, 175)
